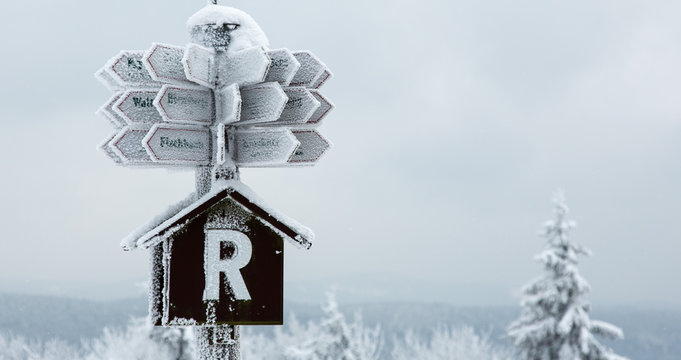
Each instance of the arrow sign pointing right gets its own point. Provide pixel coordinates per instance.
(311, 69)
(283, 67)
(263, 147)
(312, 146)
(245, 67)
(262, 103)
(300, 107)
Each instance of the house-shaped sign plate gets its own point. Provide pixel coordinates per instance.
(220, 260)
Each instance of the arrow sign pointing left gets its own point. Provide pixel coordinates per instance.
(137, 106)
(127, 144)
(179, 104)
(164, 63)
(178, 145)
(127, 69)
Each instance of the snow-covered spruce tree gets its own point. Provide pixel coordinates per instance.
(336, 339)
(554, 324)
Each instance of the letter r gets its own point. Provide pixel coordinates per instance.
(213, 265)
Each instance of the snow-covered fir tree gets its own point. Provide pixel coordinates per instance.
(554, 324)
(336, 339)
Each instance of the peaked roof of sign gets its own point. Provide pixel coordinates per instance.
(177, 215)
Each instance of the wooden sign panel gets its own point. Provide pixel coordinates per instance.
(225, 266)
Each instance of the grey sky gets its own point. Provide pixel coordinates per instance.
(455, 122)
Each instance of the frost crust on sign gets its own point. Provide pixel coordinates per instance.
(128, 243)
(247, 33)
(148, 235)
(305, 237)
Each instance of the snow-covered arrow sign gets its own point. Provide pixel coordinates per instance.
(105, 78)
(245, 67)
(164, 63)
(283, 67)
(312, 73)
(312, 146)
(104, 146)
(137, 107)
(127, 69)
(189, 105)
(108, 111)
(178, 145)
(262, 103)
(323, 109)
(199, 65)
(127, 145)
(300, 107)
(204, 66)
(228, 107)
(263, 147)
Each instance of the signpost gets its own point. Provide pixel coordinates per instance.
(217, 259)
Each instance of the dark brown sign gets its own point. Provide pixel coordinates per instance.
(221, 261)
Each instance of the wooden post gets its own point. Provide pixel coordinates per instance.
(214, 341)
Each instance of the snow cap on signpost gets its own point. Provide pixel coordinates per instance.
(225, 27)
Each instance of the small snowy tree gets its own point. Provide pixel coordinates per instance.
(336, 339)
(555, 323)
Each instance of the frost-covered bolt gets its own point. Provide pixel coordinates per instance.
(225, 28)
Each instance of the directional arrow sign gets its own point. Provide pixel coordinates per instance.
(108, 111)
(199, 65)
(263, 147)
(245, 67)
(178, 145)
(137, 107)
(127, 144)
(321, 80)
(283, 66)
(228, 107)
(322, 110)
(262, 103)
(127, 69)
(312, 146)
(108, 151)
(180, 104)
(106, 79)
(300, 107)
(164, 63)
(311, 69)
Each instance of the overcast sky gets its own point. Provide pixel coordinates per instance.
(455, 122)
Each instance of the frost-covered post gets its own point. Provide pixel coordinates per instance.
(215, 342)
(555, 323)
